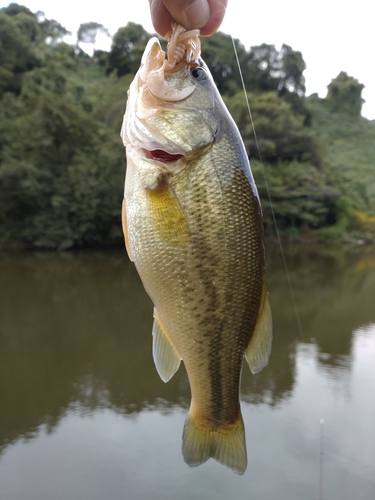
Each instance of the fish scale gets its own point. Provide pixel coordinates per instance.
(193, 227)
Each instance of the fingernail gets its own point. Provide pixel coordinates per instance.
(198, 13)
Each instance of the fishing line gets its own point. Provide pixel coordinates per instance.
(321, 458)
(268, 194)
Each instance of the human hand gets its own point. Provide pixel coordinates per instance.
(207, 15)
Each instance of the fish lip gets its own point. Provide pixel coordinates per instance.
(152, 72)
(152, 59)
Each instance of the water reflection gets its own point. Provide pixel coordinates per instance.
(75, 338)
(74, 329)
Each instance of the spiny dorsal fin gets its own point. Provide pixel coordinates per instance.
(259, 348)
(166, 359)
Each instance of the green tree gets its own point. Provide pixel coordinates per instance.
(262, 68)
(218, 54)
(19, 37)
(348, 145)
(52, 30)
(266, 69)
(61, 158)
(280, 132)
(14, 9)
(127, 48)
(88, 32)
(303, 197)
(293, 66)
(345, 95)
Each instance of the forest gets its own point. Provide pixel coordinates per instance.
(62, 162)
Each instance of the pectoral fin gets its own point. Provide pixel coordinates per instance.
(166, 358)
(259, 348)
(168, 218)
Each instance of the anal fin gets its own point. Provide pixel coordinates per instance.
(259, 348)
(166, 358)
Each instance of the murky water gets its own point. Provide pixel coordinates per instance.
(84, 415)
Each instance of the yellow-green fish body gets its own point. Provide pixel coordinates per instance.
(193, 227)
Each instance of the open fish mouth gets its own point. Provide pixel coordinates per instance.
(160, 103)
(151, 91)
(183, 46)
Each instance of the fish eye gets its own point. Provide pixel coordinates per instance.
(198, 73)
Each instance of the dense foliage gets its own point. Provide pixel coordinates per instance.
(62, 162)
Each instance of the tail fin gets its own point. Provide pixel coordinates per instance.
(226, 444)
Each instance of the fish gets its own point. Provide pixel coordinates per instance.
(193, 227)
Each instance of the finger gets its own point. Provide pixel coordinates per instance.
(217, 13)
(190, 14)
(161, 17)
(204, 14)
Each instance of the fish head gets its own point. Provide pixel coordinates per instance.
(170, 114)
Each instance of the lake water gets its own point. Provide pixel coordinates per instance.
(84, 415)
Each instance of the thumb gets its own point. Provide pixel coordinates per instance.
(189, 13)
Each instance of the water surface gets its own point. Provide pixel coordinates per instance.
(84, 415)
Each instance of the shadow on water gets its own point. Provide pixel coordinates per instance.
(75, 333)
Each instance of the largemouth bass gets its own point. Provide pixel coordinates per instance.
(193, 227)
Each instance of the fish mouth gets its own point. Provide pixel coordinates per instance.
(183, 47)
(162, 155)
(152, 89)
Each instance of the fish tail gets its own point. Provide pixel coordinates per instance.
(225, 444)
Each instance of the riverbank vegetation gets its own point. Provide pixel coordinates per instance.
(62, 162)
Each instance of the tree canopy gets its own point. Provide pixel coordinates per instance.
(62, 162)
(345, 95)
(127, 48)
(88, 32)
